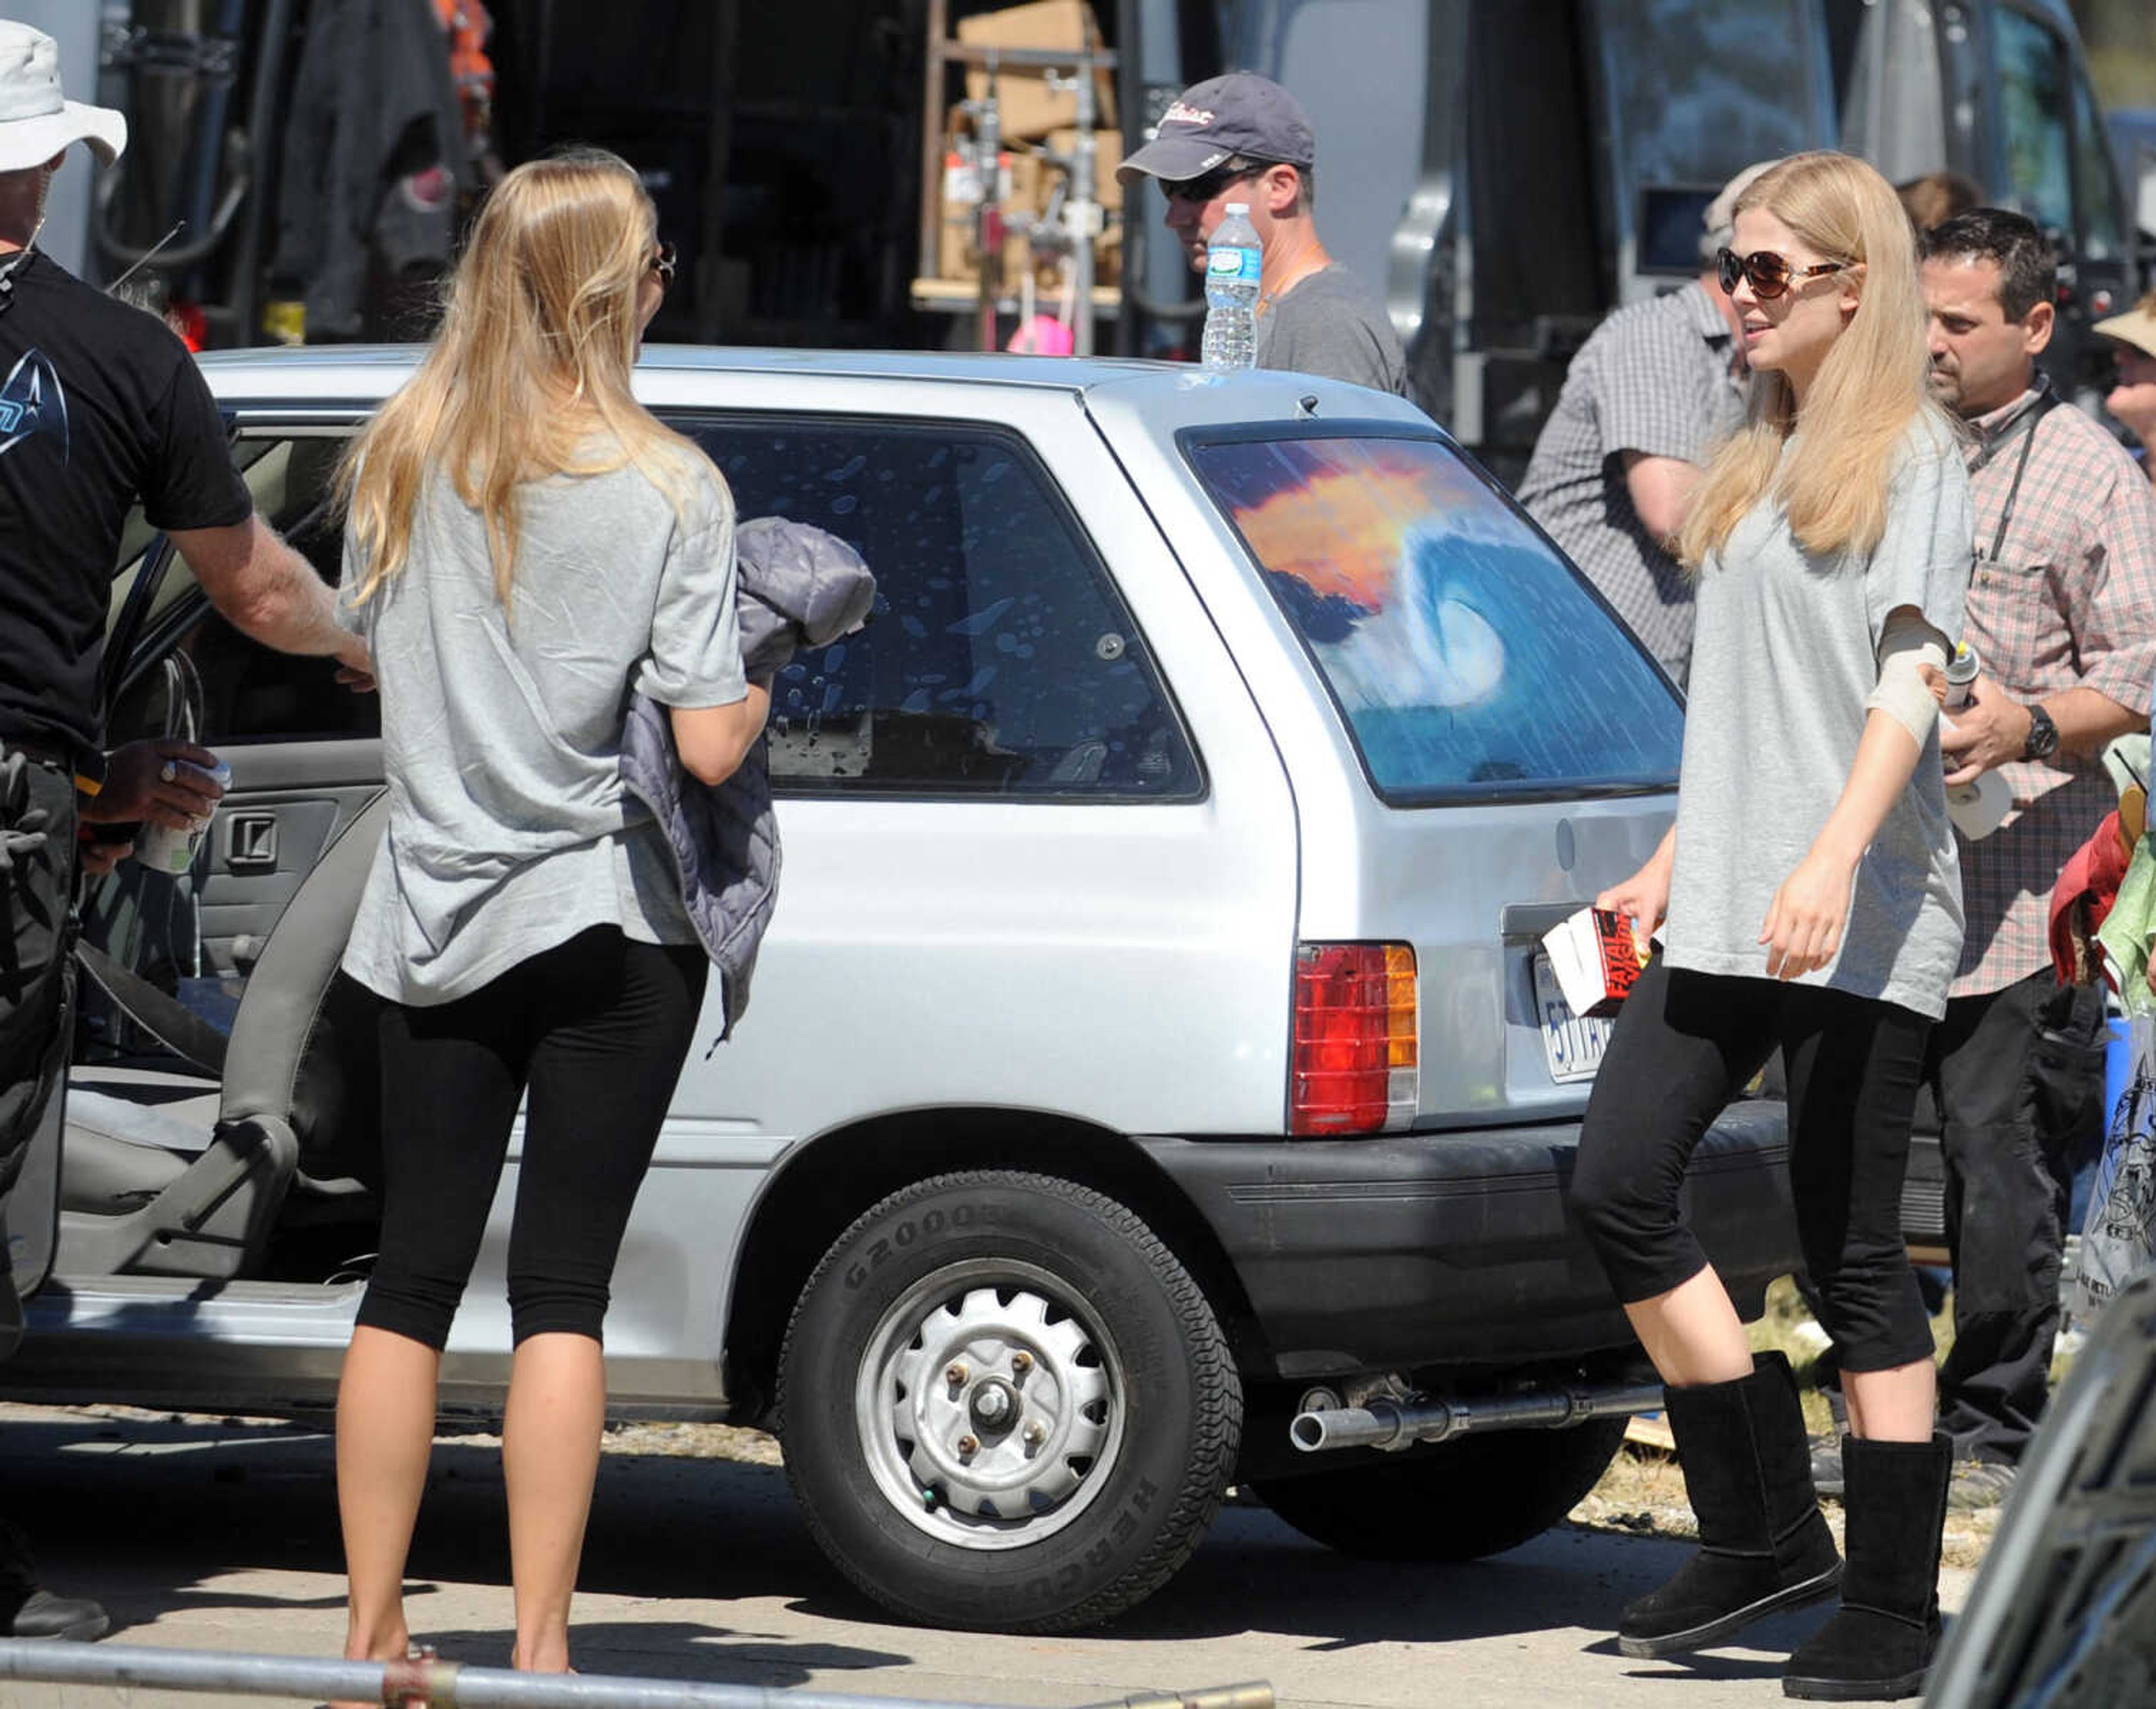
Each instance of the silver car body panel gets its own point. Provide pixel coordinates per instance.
(1128, 967)
(1101, 962)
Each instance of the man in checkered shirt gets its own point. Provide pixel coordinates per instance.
(2062, 609)
(1644, 402)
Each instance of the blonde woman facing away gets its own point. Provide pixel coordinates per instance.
(525, 546)
(1809, 899)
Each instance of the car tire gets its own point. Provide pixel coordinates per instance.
(1044, 1327)
(1451, 1500)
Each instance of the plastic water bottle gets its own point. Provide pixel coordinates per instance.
(1234, 262)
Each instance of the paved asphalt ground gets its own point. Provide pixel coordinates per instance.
(210, 1535)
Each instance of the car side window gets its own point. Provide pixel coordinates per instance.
(998, 660)
(243, 690)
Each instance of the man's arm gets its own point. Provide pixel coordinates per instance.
(1993, 729)
(269, 591)
(1661, 490)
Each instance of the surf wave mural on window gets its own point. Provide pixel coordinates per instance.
(1467, 655)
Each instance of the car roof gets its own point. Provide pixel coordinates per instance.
(1164, 395)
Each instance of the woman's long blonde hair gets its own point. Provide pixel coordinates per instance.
(530, 363)
(1833, 481)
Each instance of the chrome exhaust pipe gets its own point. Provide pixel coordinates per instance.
(1393, 1424)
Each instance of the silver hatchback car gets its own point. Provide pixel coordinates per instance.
(1153, 1050)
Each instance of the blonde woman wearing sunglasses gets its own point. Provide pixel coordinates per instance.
(525, 546)
(1809, 898)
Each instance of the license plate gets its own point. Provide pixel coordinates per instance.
(1574, 1046)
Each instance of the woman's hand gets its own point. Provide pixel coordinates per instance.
(1805, 922)
(1644, 899)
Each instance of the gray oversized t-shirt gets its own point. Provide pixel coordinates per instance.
(1786, 650)
(510, 830)
(1330, 324)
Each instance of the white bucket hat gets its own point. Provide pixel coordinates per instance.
(37, 121)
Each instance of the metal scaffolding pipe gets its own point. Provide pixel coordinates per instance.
(1394, 1425)
(447, 1685)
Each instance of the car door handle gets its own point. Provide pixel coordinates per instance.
(251, 845)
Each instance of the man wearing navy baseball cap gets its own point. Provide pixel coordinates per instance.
(1243, 138)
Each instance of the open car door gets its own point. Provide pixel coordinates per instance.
(166, 957)
(31, 1211)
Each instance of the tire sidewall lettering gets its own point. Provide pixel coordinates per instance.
(1105, 1271)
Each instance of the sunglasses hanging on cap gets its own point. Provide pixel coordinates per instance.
(1769, 274)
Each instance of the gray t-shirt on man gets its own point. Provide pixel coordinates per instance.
(1329, 325)
(1787, 651)
(510, 830)
(1655, 378)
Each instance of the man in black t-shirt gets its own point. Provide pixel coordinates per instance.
(100, 407)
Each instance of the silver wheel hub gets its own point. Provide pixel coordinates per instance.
(989, 1408)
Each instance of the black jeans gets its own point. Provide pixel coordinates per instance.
(37, 975)
(1684, 1044)
(598, 1029)
(2018, 1075)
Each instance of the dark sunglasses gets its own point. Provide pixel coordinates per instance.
(1771, 275)
(1204, 189)
(663, 262)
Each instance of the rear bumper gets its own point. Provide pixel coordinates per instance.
(1425, 1250)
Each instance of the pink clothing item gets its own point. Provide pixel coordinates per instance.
(1044, 335)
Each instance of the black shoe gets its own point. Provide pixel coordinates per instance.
(41, 1614)
(1978, 1484)
(1826, 1464)
(1764, 1546)
(1879, 1646)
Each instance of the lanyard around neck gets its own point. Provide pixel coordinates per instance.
(2024, 425)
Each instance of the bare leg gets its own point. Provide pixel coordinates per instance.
(1897, 1405)
(549, 1458)
(385, 1433)
(1692, 1334)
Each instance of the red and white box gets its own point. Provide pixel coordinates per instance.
(1596, 959)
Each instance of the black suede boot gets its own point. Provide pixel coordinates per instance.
(1764, 1546)
(27, 1612)
(1879, 1646)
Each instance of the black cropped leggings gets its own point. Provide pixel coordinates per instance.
(1684, 1045)
(598, 1029)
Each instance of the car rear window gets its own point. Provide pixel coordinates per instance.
(1468, 657)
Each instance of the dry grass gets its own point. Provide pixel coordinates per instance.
(1643, 1492)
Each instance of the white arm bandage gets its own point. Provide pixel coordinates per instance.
(1907, 646)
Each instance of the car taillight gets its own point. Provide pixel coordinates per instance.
(1355, 1067)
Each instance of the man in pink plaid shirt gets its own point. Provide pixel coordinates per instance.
(2062, 609)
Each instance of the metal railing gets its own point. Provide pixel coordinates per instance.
(427, 1682)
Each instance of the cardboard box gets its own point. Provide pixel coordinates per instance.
(1026, 108)
(1051, 25)
(956, 260)
(1107, 156)
(1020, 179)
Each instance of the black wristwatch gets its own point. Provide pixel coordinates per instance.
(2043, 734)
